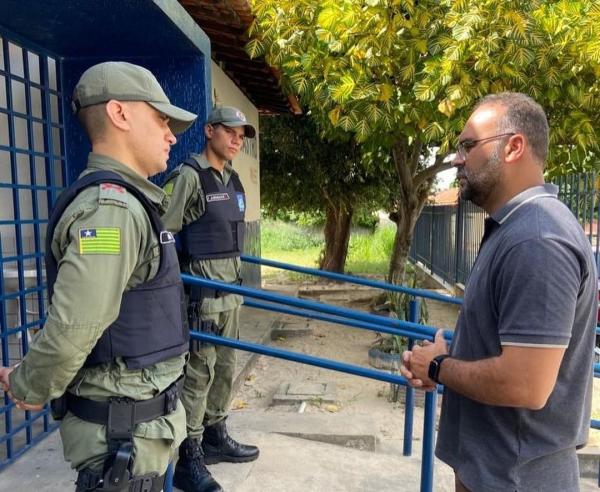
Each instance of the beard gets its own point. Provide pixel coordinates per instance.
(477, 186)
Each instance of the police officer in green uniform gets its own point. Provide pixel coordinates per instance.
(115, 342)
(207, 211)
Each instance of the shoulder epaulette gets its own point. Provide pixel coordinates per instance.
(112, 194)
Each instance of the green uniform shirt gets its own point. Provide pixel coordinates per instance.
(187, 204)
(87, 297)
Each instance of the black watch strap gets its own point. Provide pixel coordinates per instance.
(434, 367)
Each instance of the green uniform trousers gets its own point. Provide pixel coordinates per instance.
(155, 443)
(207, 389)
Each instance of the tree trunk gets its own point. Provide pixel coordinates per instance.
(405, 217)
(337, 238)
(414, 183)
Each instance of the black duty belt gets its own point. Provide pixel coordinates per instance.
(125, 409)
(88, 480)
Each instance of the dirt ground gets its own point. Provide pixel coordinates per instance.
(355, 395)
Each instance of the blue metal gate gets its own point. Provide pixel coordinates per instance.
(446, 238)
(32, 173)
(43, 149)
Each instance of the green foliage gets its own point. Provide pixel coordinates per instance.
(400, 309)
(369, 252)
(282, 236)
(371, 246)
(389, 70)
(366, 219)
(303, 173)
(401, 78)
(301, 218)
(400, 302)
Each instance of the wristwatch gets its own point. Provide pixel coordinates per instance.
(434, 367)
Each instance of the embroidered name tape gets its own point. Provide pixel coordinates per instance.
(217, 197)
(100, 240)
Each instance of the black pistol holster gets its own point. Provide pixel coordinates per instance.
(195, 295)
(121, 415)
(58, 407)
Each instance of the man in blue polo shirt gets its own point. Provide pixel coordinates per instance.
(518, 375)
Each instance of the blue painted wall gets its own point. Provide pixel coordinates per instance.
(157, 34)
(183, 80)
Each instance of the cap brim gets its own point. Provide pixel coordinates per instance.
(179, 119)
(249, 130)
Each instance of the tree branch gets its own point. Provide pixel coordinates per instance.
(414, 158)
(402, 166)
(429, 172)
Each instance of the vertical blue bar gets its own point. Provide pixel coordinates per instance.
(48, 146)
(16, 217)
(409, 405)
(586, 196)
(23, 304)
(168, 487)
(458, 243)
(5, 362)
(428, 442)
(577, 211)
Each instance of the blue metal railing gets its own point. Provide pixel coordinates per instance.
(316, 310)
(351, 279)
(419, 331)
(336, 314)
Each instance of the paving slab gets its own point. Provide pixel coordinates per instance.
(299, 452)
(294, 392)
(281, 329)
(297, 465)
(255, 326)
(286, 463)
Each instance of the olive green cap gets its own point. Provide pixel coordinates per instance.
(232, 117)
(124, 81)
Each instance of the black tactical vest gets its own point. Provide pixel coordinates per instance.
(219, 232)
(150, 327)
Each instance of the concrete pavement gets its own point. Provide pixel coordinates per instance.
(299, 452)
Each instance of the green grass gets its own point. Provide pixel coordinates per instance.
(368, 252)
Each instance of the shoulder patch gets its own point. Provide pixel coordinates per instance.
(168, 188)
(113, 194)
(100, 241)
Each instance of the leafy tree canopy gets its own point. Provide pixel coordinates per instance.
(390, 70)
(304, 172)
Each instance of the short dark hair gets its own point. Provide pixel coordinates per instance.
(522, 115)
(93, 120)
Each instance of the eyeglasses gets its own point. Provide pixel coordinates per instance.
(465, 146)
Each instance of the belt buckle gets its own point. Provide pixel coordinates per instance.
(146, 484)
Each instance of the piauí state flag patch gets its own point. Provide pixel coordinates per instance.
(100, 240)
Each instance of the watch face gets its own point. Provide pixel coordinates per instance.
(434, 367)
(433, 370)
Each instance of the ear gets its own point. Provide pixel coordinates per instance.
(119, 114)
(208, 131)
(515, 148)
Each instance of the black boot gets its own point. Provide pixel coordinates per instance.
(219, 446)
(191, 474)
